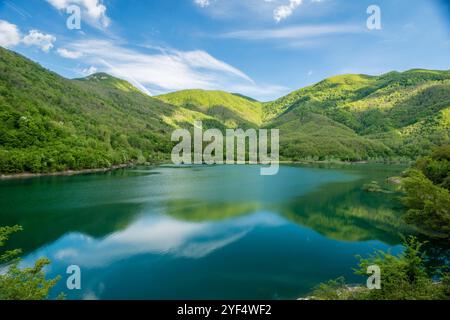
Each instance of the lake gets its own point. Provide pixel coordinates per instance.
(203, 232)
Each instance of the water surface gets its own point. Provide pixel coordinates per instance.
(220, 232)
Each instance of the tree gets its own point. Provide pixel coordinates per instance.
(403, 277)
(26, 283)
(427, 195)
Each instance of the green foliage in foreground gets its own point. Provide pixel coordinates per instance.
(427, 196)
(403, 277)
(22, 284)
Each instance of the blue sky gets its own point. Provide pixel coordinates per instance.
(261, 48)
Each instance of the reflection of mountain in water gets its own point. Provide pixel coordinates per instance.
(140, 235)
(340, 211)
(337, 210)
(96, 221)
(49, 208)
(100, 205)
(198, 211)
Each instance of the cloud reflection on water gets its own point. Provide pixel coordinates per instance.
(156, 234)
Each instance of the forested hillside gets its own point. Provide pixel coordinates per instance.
(49, 123)
(394, 115)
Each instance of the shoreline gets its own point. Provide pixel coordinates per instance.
(67, 173)
(387, 162)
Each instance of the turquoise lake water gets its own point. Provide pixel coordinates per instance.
(219, 232)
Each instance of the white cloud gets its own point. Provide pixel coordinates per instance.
(277, 10)
(93, 10)
(69, 54)
(89, 71)
(202, 59)
(202, 3)
(39, 39)
(284, 11)
(163, 70)
(9, 34)
(294, 32)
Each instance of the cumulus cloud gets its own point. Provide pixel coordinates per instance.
(284, 11)
(39, 39)
(277, 10)
(93, 10)
(69, 54)
(163, 70)
(202, 3)
(9, 34)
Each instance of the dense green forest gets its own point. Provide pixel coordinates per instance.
(49, 123)
(427, 189)
(357, 117)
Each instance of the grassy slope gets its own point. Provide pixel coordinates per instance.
(233, 110)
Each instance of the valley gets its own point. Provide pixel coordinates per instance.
(52, 124)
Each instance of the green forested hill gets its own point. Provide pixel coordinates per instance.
(393, 115)
(312, 136)
(49, 123)
(232, 109)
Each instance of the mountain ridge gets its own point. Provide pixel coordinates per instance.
(50, 123)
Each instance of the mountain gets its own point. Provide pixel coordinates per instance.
(312, 136)
(233, 110)
(393, 115)
(49, 123)
(107, 81)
